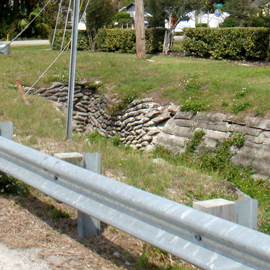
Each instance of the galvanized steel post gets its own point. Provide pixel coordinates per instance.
(87, 225)
(72, 67)
(6, 130)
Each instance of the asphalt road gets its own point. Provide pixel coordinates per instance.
(30, 42)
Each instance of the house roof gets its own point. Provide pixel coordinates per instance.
(131, 9)
(256, 3)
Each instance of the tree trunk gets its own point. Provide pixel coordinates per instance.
(91, 38)
(140, 31)
(168, 41)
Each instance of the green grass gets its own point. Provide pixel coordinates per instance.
(197, 84)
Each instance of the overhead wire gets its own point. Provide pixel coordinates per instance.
(57, 18)
(64, 34)
(57, 56)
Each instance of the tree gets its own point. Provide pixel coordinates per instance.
(16, 14)
(173, 11)
(157, 9)
(241, 11)
(99, 13)
(124, 3)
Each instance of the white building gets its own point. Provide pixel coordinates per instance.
(211, 19)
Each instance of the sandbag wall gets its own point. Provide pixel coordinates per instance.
(145, 124)
(136, 126)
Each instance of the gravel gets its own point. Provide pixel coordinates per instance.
(15, 259)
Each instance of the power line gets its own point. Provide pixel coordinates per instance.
(55, 58)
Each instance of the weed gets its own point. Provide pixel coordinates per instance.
(192, 85)
(194, 141)
(12, 186)
(240, 94)
(238, 139)
(116, 140)
(95, 137)
(59, 214)
(123, 103)
(194, 104)
(161, 151)
(142, 260)
(224, 103)
(240, 107)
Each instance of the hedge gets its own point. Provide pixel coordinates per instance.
(227, 43)
(113, 40)
(82, 44)
(124, 40)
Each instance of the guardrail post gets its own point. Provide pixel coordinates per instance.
(243, 212)
(6, 130)
(87, 225)
(247, 213)
(218, 207)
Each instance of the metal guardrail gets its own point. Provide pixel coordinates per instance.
(201, 239)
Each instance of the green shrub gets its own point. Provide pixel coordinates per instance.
(122, 18)
(195, 141)
(57, 214)
(12, 186)
(124, 40)
(227, 43)
(201, 25)
(82, 44)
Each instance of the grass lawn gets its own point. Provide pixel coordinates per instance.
(195, 84)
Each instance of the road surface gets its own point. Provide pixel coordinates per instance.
(30, 42)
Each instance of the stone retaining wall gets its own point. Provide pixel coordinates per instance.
(145, 124)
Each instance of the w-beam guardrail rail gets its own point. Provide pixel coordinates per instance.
(199, 238)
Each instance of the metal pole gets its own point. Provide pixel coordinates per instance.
(72, 67)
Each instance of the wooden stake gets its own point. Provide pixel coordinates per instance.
(140, 31)
(22, 92)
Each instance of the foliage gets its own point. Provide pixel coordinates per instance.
(123, 103)
(122, 18)
(208, 5)
(11, 186)
(193, 104)
(38, 27)
(57, 214)
(227, 43)
(82, 44)
(241, 11)
(194, 141)
(157, 10)
(99, 14)
(201, 25)
(172, 11)
(15, 15)
(124, 40)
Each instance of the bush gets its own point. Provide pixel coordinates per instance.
(227, 43)
(9, 185)
(82, 44)
(123, 19)
(201, 25)
(124, 40)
